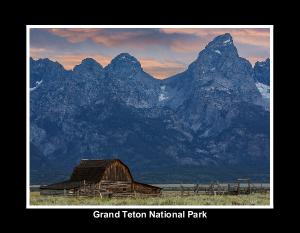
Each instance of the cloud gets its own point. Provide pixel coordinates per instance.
(137, 38)
(75, 35)
(254, 59)
(252, 36)
(114, 39)
(162, 69)
(156, 48)
(183, 46)
(36, 52)
(178, 40)
(106, 37)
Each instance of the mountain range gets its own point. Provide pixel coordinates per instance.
(210, 122)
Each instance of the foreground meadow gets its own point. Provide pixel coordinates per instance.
(252, 199)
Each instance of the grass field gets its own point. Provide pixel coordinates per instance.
(252, 199)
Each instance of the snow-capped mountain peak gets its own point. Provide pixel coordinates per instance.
(221, 41)
(221, 47)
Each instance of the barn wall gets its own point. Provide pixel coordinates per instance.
(116, 186)
(117, 172)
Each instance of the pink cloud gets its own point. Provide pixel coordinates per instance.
(75, 35)
(183, 46)
(241, 36)
(161, 69)
(254, 59)
(37, 52)
(115, 39)
(249, 36)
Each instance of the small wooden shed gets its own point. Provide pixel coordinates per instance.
(99, 178)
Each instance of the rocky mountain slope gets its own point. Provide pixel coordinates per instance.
(209, 122)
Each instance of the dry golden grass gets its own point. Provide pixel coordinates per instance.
(165, 199)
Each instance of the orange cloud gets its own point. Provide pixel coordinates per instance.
(250, 36)
(182, 46)
(111, 40)
(36, 52)
(254, 59)
(161, 69)
(75, 35)
(139, 39)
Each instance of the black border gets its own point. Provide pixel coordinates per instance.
(17, 109)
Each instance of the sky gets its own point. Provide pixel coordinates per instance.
(163, 52)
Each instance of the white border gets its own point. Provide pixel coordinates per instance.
(28, 27)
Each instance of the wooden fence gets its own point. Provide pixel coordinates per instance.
(218, 189)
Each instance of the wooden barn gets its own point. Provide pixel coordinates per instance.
(101, 178)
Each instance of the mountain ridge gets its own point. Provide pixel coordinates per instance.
(209, 117)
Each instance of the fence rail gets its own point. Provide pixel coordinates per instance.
(217, 189)
(181, 189)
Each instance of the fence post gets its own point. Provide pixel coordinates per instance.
(196, 190)
(182, 190)
(219, 188)
(84, 187)
(249, 186)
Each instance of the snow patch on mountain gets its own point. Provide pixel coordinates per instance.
(227, 41)
(137, 104)
(264, 90)
(163, 95)
(265, 93)
(218, 51)
(38, 83)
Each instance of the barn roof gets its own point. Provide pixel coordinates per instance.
(88, 170)
(147, 185)
(62, 185)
